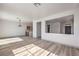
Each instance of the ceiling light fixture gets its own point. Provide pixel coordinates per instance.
(36, 4)
(19, 22)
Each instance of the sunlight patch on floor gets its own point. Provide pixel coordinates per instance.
(21, 49)
(31, 50)
(10, 40)
(51, 54)
(24, 53)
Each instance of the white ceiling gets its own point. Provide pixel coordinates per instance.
(28, 12)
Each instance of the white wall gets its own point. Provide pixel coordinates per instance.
(10, 28)
(54, 27)
(70, 40)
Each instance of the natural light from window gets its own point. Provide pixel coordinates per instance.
(31, 50)
(10, 40)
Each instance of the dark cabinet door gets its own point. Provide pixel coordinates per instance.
(67, 29)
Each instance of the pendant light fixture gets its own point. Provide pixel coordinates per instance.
(20, 25)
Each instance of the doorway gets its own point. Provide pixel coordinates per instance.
(67, 29)
(38, 29)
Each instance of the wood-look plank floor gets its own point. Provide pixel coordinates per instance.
(36, 47)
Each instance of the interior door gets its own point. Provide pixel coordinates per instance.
(67, 29)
